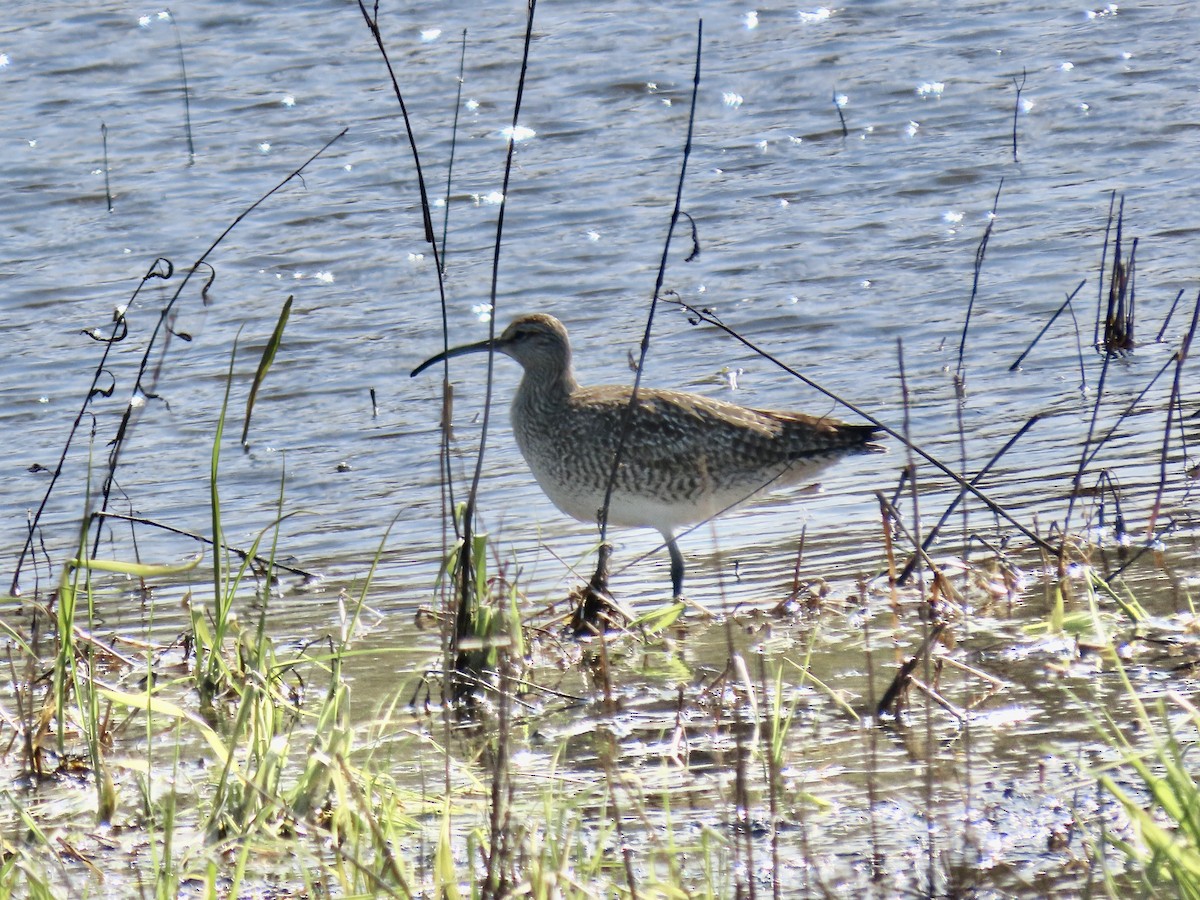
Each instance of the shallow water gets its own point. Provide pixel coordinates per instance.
(826, 250)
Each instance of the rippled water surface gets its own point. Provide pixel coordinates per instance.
(834, 251)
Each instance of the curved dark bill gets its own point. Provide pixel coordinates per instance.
(453, 351)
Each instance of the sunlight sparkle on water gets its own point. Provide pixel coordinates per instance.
(430, 34)
(264, 147)
(482, 312)
(750, 19)
(732, 100)
(912, 128)
(518, 134)
(931, 89)
(494, 198)
(4, 60)
(812, 17)
(289, 100)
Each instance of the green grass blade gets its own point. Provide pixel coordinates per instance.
(264, 364)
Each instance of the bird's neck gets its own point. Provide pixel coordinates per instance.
(545, 387)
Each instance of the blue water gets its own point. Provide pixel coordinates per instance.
(832, 251)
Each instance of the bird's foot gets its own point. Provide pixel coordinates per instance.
(596, 610)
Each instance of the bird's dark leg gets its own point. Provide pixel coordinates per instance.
(676, 565)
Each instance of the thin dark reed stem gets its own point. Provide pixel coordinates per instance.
(979, 476)
(427, 225)
(144, 387)
(1180, 358)
(1020, 86)
(1058, 312)
(980, 251)
(1112, 199)
(1117, 281)
(1128, 411)
(496, 881)
(183, 80)
(841, 116)
(107, 188)
(203, 539)
(462, 63)
(1078, 349)
(491, 356)
(871, 734)
(1167, 321)
(465, 565)
(627, 418)
(1084, 457)
(773, 775)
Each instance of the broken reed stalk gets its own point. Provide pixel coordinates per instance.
(1119, 315)
(891, 697)
(1058, 312)
(1180, 358)
(1118, 325)
(600, 578)
(980, 252)
(706, 316)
